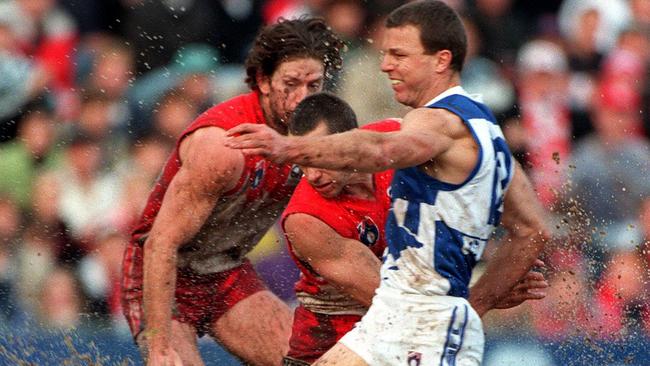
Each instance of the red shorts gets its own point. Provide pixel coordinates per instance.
(314, 334)
(199, 299)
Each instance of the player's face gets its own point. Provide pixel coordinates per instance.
(291, 82)
(328, 183)
(410, 70)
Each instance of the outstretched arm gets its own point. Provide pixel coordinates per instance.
(208, 170)
(523, 217)
(423, 136)
(346, 263)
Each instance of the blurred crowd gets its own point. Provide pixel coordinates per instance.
(94, 93)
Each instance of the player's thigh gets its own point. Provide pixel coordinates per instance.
(256, 329)
(340, 355)
(184, 340)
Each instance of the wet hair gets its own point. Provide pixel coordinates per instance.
(439, 25)
(325, 108)
(305, 37)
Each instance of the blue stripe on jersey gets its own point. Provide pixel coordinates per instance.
(450, 261)
(455, 335)
(407, 185)
(400, 237)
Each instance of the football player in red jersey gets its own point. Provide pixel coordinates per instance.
(185, 273)
(334, 224)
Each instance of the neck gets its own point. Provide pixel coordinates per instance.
(269, 117)
(439, 86)
(361, 185)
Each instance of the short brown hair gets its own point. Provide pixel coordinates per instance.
(439, 25)
(289, 39)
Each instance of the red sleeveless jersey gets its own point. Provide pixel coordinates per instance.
(350, 217)
(242, 215)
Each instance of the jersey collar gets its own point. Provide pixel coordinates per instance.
(451, 91)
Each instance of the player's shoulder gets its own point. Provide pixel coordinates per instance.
(429, 112)
(244, 108)
(436, 119)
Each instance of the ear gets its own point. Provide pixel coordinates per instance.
(263, 83)
(443, 61)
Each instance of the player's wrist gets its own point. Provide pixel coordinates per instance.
(156, 338)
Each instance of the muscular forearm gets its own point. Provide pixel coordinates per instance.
(356, 273)
(158, 289)
(357, 150)
(511, 262)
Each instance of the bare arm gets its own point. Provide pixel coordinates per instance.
(424, 136)
(523, 217)
(346, 263)
(208, 169)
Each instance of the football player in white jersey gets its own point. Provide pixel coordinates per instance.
(455, 181)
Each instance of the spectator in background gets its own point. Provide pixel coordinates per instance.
(97, 121)
(112, 69)
(44, 213)
(173, 114)
(625, 67)
(100, 273)
(23, 81)
(32, 152)
(634, 45)
(10, 224)
(640, 10)
(35, 261)
(45, 32)
(583, 51)
(59, 301)
(111, 74)
(503, 31)
(347, 18)
(584, 58)
(613, 16)
(542, 86)
(137, 174)
(483, 76)
(611, 166)
(191, 73)
(565, 312)
(87, 194)
(644, 227)
(361, 84)
(621, 298)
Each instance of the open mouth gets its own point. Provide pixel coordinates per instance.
(323, 187)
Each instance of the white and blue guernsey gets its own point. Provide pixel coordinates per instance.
(436, 231)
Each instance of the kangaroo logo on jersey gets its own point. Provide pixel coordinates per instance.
(368, 231)
(259, 174)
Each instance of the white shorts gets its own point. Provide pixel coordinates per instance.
(417, 330)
